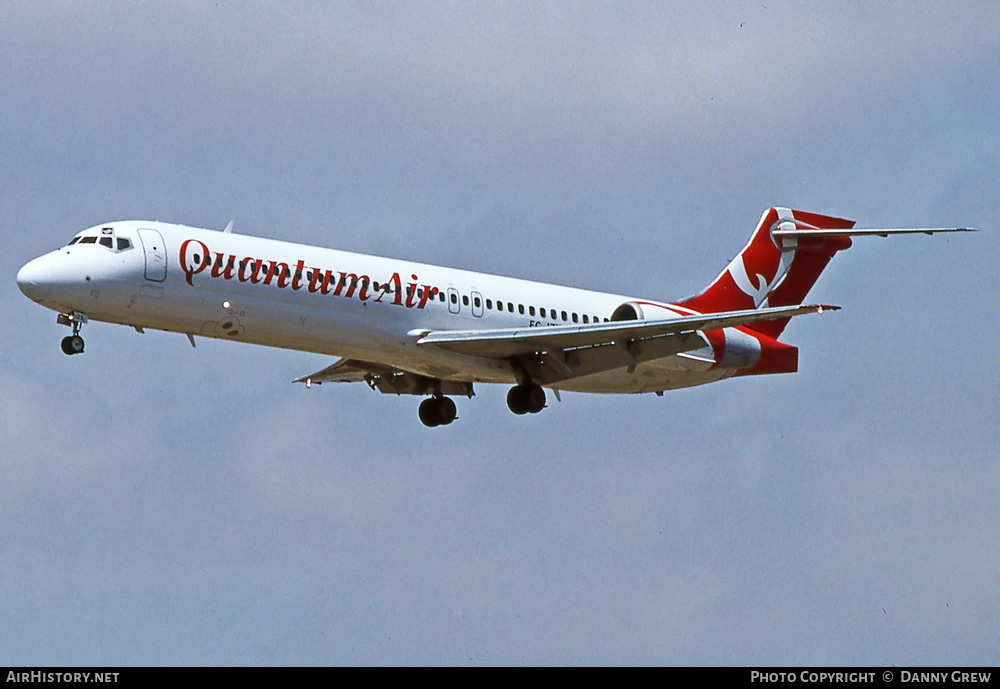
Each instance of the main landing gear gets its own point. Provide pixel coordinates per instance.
(526, 399)
(437, 411)
(72, 344)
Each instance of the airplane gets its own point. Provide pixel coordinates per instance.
(414, 329)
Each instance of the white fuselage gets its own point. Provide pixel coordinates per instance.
(279, 294)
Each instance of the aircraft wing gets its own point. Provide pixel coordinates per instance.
(347, 371)
(387, 379)
(508, 342)
(557, 353)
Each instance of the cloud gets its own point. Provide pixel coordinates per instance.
(174, 505)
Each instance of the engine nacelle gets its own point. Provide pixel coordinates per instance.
(742, 350)
(645, 311)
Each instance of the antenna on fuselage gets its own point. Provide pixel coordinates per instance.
(229, 227)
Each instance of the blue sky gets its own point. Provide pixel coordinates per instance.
(168, 505)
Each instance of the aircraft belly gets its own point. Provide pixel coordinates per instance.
(645, 378)
(668, 373)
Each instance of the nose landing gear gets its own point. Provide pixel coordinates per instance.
(72, 344)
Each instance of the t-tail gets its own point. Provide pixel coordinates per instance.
(782, 261)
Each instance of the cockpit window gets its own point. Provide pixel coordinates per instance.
(116, 244)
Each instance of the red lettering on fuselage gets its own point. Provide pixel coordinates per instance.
(299, 267)
(351, 281)
(223, 268)
(254, 264)
(195, 257)
(186, 259)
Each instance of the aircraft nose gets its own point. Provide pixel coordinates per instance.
(33, 278)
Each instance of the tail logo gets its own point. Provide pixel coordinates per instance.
(758, 293)
(738, 271)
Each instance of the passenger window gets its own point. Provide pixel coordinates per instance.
(441, 296)
(520, 309)
(585, 319)
(564, 315)
(575, 319)
(541, 312)
(454, 298)
(477, 302)
(465, 299)
(531, 310)
(510, 306)
(489, 303)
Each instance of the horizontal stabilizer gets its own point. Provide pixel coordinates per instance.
(862, 232)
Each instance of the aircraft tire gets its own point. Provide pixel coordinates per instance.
(534, 398)
(428, 413)
(526, 399)
(446, 410)
(72, 344)
(515, 401)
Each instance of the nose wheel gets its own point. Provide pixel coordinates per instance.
(72, 344)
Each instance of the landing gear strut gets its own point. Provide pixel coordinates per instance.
(72, 344)
(526, 399)
(437, 411)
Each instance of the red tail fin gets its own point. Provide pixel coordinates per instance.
(773, 271)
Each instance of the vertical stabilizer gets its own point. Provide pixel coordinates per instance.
(774, 270)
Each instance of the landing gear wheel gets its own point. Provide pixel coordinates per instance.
(72, 344)
(446, 410)
(515, 401)
(437, 411)
(526, 399)
(428, 413)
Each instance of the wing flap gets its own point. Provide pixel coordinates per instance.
(386, 379)
(347, 371)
